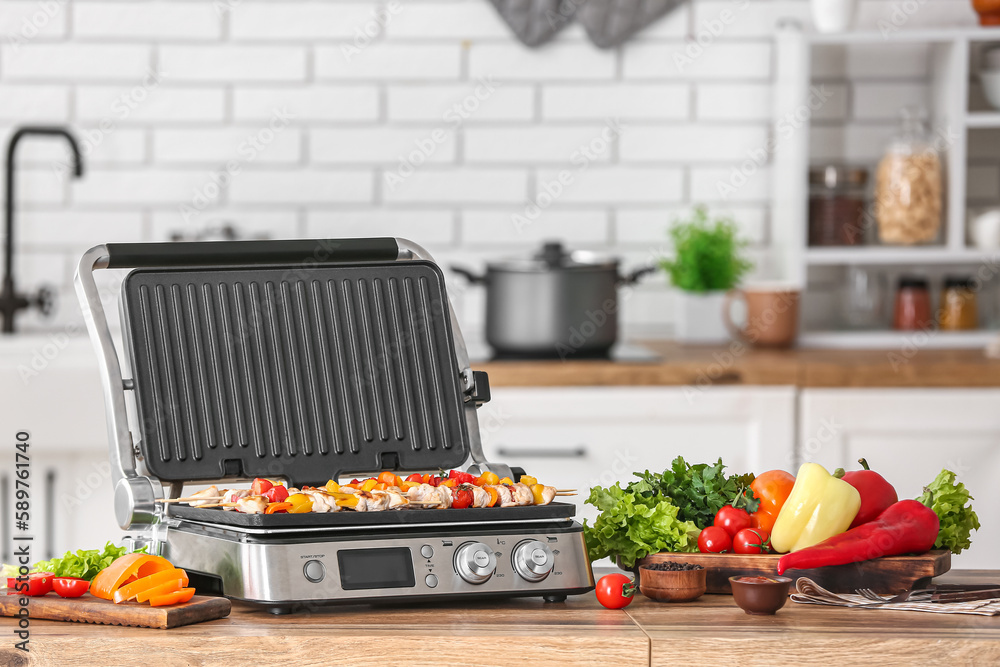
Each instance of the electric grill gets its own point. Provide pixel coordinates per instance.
(308, 360)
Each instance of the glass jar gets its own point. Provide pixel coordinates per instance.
(836, 205)
(913, 304)
(908, 186)
(862, 299)
(958, 304)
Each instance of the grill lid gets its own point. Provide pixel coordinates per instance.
(304, 372)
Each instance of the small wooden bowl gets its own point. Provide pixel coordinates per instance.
(672, 585)
(760, 598)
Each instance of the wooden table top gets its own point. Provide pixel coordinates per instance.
(737, 364)
(579, 631)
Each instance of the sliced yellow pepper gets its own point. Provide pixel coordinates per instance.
(529, 480)
(536, 491)
(507, 480)
(369, 484)
(332, 487)
(488, 478)
(301, 503)
(819, 506)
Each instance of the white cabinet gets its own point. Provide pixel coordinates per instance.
(578, 437)
(909, 435)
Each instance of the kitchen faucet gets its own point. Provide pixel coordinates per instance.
(10, 301)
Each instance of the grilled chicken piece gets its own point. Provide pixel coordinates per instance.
(251, 505)
(548, 495)
(396, 497)
(211, 492)
(322, 501)
(233, 496)
(372, 501)
(522, 494)
(480, 497)
(506, 494)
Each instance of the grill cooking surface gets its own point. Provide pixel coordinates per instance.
(401, 517)
(305, 372)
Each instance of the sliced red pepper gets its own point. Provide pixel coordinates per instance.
(260, 486)
(415, 477)
(276, 494)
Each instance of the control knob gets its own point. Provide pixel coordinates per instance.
(533, 560)
(475, 562)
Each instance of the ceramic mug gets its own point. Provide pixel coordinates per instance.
(772, 314)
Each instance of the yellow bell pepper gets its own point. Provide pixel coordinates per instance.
(332, 487)
(529, 480)
(301, 503)
(819, 506)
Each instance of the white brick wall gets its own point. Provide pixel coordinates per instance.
(366, 83)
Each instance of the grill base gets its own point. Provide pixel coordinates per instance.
(279, 569)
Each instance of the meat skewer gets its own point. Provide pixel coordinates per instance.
(387, 492)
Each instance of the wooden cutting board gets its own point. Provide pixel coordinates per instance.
(891, 575)
(88, 609)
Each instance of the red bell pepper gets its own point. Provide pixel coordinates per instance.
(906, 527)
(877, 495)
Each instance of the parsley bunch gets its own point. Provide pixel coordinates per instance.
(700, 490)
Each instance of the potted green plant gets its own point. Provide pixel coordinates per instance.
(708, 261)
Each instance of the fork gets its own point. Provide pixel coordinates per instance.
(869, 594)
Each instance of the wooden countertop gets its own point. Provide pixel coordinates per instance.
(528, 631)
(739, 365)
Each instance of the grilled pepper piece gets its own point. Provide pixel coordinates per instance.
(906, 527)
(819, 506)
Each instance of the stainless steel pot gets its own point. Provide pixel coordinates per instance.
(556, 303)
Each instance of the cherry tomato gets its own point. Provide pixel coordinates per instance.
(70, 587)
(714, 540)
(615, 591)
(461, 498)
(752, 541)
(276, 494)
(415, 477)
(260, 486)
(37, 583)
(732, 519)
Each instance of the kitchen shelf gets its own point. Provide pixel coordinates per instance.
(901, 341)
(898, 255)
(921, 36)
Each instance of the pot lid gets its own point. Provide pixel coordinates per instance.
(553, 256)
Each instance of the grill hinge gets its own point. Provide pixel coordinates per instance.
(476, 387)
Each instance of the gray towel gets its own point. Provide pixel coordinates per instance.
(610, 23)
(535, 22)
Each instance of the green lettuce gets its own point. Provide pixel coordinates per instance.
(635, 523)
(84, 564)
(948, 500)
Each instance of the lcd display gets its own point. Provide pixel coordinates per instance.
(362, 569)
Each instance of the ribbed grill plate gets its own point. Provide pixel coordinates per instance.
(300, 372)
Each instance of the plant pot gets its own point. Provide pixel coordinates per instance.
(698, 317)
(988, 10)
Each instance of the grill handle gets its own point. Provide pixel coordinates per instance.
(242, 253)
